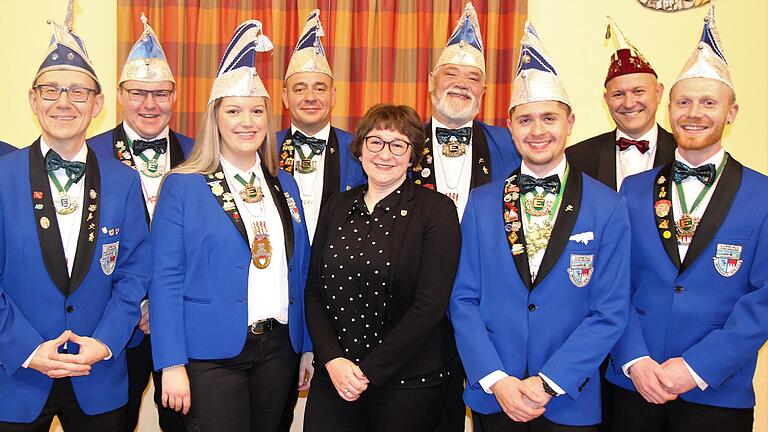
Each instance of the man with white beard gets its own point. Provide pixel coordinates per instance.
(462, 153)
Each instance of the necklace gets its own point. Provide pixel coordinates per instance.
(452, 191)
(685, 227)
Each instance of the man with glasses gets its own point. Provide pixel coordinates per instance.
(73, 259)
(145, 142)
(316, 153)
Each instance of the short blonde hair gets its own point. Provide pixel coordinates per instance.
(206, 154)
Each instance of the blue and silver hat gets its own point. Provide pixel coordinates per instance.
(309, 55)
(146, 62)
(66, 51)
(237, 75)
(465, 46)
(536, 79)
(708, 59)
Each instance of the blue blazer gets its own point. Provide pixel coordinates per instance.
(6, 148)
(114, 144)
(494, 156)
(343, 170)
(199, 288)
(559, 325)
(711, 308)
(38, 298)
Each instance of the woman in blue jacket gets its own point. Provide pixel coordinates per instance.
(230, 255)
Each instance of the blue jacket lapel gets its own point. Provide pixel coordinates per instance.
(220, 190)
(45, 220)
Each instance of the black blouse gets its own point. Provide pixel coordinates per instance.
(355, 274)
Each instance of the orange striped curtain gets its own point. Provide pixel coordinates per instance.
(380, 50)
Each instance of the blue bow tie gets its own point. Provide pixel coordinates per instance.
(460, 135)
(528, 183)
(317, 145)
(705, 173)
(158, 145)
(75, 170)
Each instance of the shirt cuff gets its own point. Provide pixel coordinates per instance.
(144, 307)
(109, 351)
(29, 359)
(629, 364)
(552, 384)
(699, 382)
(492, 378)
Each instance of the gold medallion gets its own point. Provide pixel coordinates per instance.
(251, 194)
(538, 206)
(152, 169)
(454, 149)
(65, 204)
(537, 237)
(261, 251)
(686, 228)
(306, 166)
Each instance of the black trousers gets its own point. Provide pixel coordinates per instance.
(62, 403)
(290, 405)
(140, 368)
(384, 409)
(246, 393)
(632, 413)
(454, 411)
(500, 422)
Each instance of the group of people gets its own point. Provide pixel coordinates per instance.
(398, 272)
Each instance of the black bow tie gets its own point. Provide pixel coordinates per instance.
(158, 145)
(317, 145)
(461, 135)
(705, 173)
(75, 170)
(550, 184)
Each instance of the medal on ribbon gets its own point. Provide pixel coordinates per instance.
(261, 250)
(250, 192)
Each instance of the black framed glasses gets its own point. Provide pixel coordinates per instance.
(139, 95)
(53, 93)
(375, 144)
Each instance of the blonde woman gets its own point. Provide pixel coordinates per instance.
(231, 254)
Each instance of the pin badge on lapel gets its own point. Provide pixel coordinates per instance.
(403, 212)
(45, 223)
(569, 208)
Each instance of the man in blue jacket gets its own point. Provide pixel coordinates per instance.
(542, 290)
(462, 153)
(699, 235)
(73, 259)
(145, 142)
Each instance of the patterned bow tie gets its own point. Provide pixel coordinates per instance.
(705, 173)
(462, 135)
(75, 170)
(550, 184)
(158, 145)
(317, 145)
(625, 143)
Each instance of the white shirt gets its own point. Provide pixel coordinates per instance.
(69, 225)
(267, 288)
(150, 185)
(631, 161)
(534, 262)
(311, 185)
(453, 175)
(691, 188)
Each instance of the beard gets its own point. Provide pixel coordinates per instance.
(456, 110)
(687, 142)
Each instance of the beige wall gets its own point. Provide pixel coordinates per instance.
(571, 30)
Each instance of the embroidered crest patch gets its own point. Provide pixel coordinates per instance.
(727, 259)
(581, 269)
(109, 257)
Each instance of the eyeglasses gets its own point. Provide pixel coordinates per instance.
(375, 144)
(53, 93)
(138, 95)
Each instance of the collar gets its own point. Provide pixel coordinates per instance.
(232, 170)
(652, 136)
(559, 170)
(322, 134)
(714, 159)
(436, 123)
(79, 157)
(385, 203)
(132, 135)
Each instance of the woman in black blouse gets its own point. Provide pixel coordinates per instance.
(383, 262)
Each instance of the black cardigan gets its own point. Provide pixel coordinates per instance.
(426, 243)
